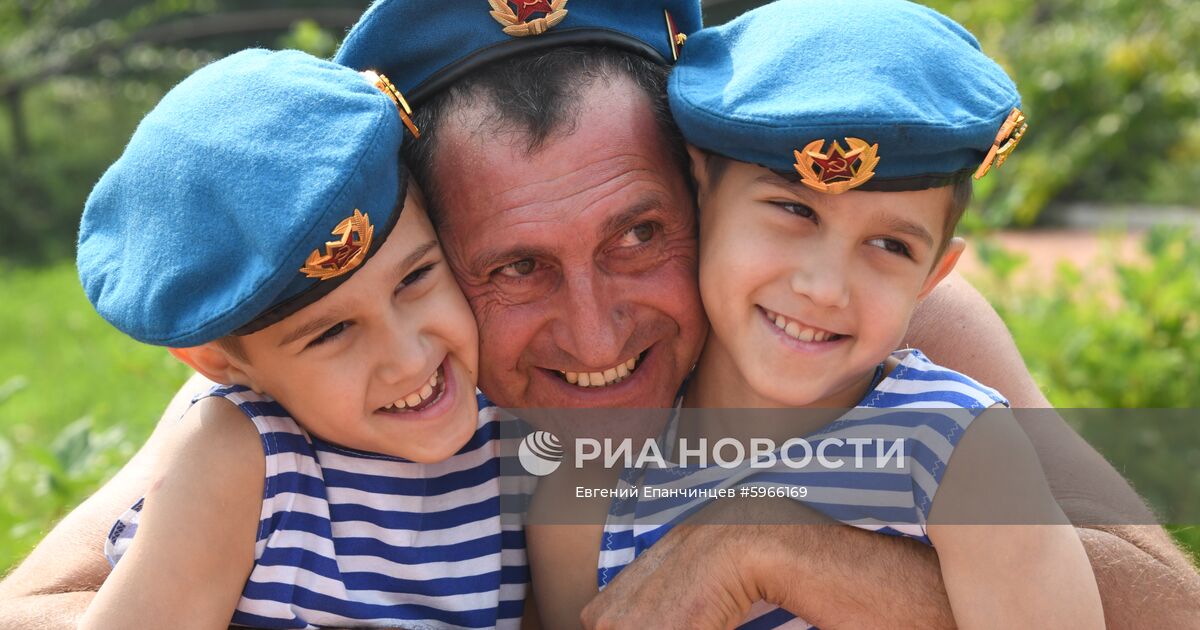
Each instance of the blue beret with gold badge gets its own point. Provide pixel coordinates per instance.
(867, 94)
(436, 43)
(255, 187)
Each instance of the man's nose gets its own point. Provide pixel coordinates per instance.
(594, 326)
(821, 277)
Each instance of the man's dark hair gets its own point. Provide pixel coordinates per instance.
(536, 95)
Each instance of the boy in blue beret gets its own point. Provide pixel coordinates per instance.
(259, 224)
(833, 144)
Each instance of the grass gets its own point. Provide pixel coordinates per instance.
(77, 398)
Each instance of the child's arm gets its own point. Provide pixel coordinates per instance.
(1009, 557)
(194, 547)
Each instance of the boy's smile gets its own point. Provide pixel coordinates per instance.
(807, 292)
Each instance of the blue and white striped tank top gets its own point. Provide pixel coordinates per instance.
(349, 538)
(889, 499)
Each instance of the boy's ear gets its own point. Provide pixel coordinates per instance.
(943, 266)
(213, 363)
(699, 166)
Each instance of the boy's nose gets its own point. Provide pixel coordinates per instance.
(402, 355)
(822, 279)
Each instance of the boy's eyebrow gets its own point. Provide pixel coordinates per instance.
(415, 255)
(893, 222)
(327, 321)
(905, 226)
(313, 326)
(775, 179)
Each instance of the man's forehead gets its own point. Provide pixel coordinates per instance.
(490, 178)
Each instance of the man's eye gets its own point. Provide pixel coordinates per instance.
(518, 269)
(637, 235)
(330, 334)
(891, 245)
(799, 210)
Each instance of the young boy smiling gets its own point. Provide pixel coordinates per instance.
(832, 144)
(260, 226)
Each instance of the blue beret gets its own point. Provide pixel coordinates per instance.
(436, 43)
(899, 87)
(230, 186)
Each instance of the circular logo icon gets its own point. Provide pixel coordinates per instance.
(540, 453)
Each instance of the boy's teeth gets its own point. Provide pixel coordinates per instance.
(421, 395)
(600, 379)
(795, 331)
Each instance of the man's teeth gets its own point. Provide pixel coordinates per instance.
(421, 395)
(600, 379)
(796, 331)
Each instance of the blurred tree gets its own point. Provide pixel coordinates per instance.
(77, 75)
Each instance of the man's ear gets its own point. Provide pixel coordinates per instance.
(699, 166)
(944, 266)
(215, 364)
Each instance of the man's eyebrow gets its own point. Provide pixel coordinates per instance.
(905, 226)
(484, 260)
(623, 219)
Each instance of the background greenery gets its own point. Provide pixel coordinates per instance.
(1111, 88)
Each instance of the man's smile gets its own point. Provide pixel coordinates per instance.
(605, 377)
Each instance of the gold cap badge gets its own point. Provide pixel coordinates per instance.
(1007, 139)
(385, 85)
(519, 24)
(346, 253)
(839, 170)
(674, 35)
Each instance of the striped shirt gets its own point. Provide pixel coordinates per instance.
(917, 414)
(350, 538)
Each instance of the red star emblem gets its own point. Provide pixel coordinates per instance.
(526, 8)
(837, 164)
(342, 254)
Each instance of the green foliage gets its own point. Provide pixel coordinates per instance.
(76, 399)
(1129, 340)
(1112, 92)
(1123, 336)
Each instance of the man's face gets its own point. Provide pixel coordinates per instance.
(579, 260)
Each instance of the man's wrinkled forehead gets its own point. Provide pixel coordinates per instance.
(611, 134)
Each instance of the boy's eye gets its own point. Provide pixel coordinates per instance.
(517, 269)
(415, 276)
(891, 245)
(330, 334)
(799, 210)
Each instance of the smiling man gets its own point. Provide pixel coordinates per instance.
(557, 183)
